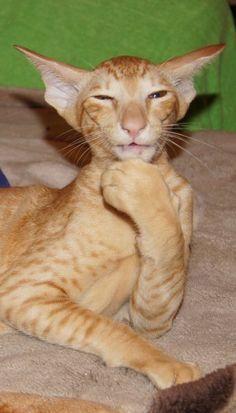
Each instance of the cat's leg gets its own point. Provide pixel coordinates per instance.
(107, 295)
(5, 329)
(181, 189)
(56, 319)
(182, 199)
(33, 403)
(139, 190)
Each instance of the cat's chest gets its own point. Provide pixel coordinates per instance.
(102, 233)
(97, 241)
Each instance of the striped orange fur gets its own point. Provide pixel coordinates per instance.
(31, 403)
(120, 232)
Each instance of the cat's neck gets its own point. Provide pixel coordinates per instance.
(92, 172)
(89, 177)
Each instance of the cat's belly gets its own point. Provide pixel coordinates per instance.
(101, 235)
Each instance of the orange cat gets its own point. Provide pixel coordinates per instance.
(70, 258)
(31, 403)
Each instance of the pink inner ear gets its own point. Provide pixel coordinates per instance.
(61, 80)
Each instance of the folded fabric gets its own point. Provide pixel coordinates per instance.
(3, 180)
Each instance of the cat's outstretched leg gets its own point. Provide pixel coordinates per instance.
(139, 189)
(56, 319)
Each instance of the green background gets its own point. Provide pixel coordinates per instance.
(85, 32)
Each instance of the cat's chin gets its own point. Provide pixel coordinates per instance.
(144, 152)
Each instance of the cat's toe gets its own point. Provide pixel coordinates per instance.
(185, 372)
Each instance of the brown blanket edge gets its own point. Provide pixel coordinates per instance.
(214, 393)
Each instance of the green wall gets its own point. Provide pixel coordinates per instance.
(85, 32)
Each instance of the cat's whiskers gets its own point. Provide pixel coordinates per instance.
(97, 138)
(78, 130)
(100, 136)
(179, 124)
(188, 152)
(186, 138)
(81, 135)
(82, 155)
(73, 149)
(74, 142)
(173, 149)
(82, 139)
(71, 130)
(74, 146)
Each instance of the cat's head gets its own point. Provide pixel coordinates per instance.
(125, 105)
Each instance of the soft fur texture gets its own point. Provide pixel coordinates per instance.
(62, 278)
(25, 403)
(204, 330)
(214, 393)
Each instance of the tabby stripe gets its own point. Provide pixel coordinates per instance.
(50, 284)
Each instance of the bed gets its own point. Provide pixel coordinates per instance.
(34, 149)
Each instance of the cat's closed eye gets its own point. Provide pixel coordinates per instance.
(103, 97)
(158, 94)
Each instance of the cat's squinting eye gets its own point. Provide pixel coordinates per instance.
(103, 97)
(157, 95)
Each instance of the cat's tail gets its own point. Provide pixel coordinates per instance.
(214, 393)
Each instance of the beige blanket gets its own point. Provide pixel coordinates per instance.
(205, 328)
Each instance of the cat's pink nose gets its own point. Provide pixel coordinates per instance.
(133, 120)
(134, 131)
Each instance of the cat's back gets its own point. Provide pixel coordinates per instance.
(74, 218)
(19, 209)
(21, 201)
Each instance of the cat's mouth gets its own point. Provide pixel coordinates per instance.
(135, 150)
(133, 147)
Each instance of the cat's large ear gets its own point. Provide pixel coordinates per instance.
(62, 81)
(180, 70)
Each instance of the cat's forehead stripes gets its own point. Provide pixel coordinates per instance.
(133, 72)
(126, 66)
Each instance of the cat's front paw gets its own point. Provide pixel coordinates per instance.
(171, 373)
(133, 186)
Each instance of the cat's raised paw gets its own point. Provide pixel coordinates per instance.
(130, 186)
